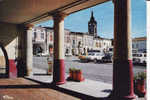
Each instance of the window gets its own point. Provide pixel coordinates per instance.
(42, 35)
(97, 54)
(104, 43)
(51, 38)
(140, 55)
(79, 44)
(134, 55)
(137, 45)
(68, 39)
(91, 54)
(73, 41)
(132, 45)
(35, 35)
(97, 44)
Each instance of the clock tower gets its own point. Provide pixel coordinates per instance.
(92, 26)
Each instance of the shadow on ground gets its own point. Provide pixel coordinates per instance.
(54, 87)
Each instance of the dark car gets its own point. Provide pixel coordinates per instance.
(107, 58)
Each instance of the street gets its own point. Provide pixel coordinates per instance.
(98, 72)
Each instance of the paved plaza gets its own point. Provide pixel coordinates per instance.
(39, 87)
(97, 72)
(98, 77)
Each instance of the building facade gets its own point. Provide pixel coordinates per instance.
(43, 40)
(78, 42)
(139, 44)
(39, 39)
(75, 42)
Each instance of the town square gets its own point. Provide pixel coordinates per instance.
(74, 49)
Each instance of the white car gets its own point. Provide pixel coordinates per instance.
(39, 54)
(94, 56)
(68, 54)
(43, 54)
(139, 58)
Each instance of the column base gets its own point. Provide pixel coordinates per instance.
(29, 72)
(12, 69)
(59, 72)
(58, 83)
(123, 88)
(113, 96)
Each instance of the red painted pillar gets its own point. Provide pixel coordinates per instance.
(122, 65)
(12, 69)
(58, 66)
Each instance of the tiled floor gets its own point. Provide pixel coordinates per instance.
(23, 89)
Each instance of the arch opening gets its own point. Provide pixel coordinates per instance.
(4, 62)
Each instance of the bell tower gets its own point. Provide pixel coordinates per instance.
(92, 25)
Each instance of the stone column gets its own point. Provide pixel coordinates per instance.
(29, 50)
(122, 65)
(58, 66)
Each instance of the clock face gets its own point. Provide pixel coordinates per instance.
(92, 27)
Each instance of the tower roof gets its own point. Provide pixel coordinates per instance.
(92, 19)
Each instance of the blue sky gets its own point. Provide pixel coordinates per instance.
(104, 15)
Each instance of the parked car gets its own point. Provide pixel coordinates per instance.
(42, 54)
(139, 58)
(107, 58)
(68, 54)
(83, 58)
(39, 54)
(95, 56)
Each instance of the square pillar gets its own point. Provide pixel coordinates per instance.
(58, 66)
(122, 65)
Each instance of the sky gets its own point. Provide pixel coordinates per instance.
(104, 15)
